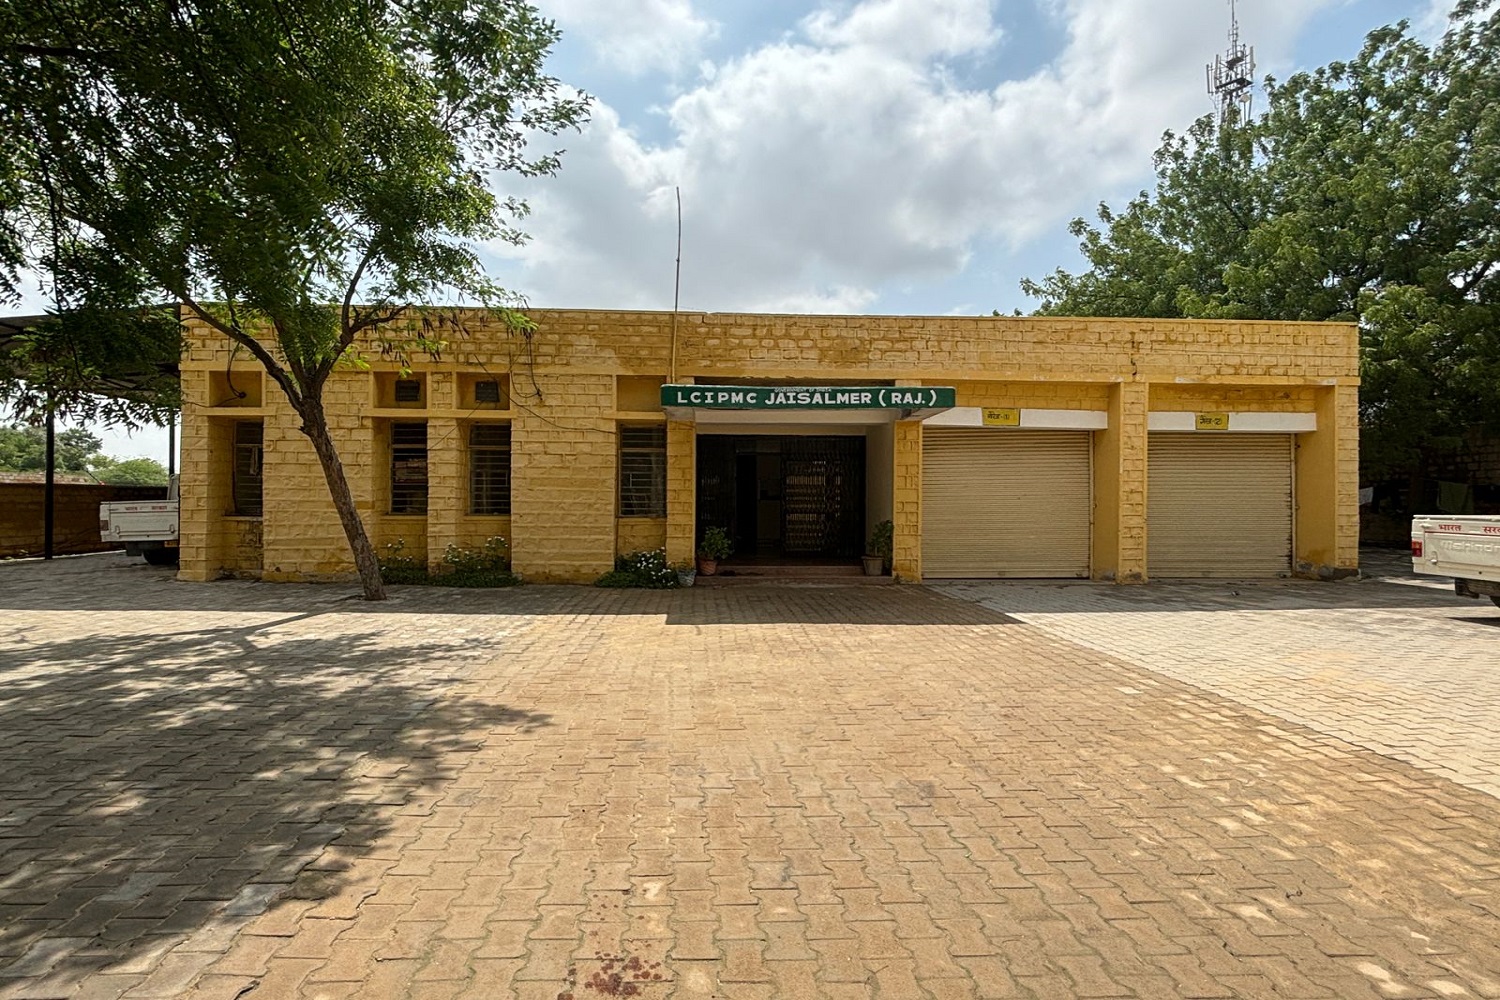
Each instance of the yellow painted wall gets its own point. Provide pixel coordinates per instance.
(1223, 398)
(566, 387)
(906, 534)
(1039, 395)
(563, 485)
(1119, 545)
(682, 491)
(1327, 476)
(640, 534)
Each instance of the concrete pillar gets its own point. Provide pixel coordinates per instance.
(906, 551)
(1328, 488)
(682, 490)
(447, 490)
(1120, 475)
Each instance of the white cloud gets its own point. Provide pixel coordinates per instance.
(635, 36)
(902, 28)
(1435, 20)
(830, 165)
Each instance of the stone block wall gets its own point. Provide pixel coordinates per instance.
(572, 381)
(75, 516)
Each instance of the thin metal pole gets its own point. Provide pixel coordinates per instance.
(48, 497)
(676, 292)
(172, 446)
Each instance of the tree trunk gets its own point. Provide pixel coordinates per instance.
(315, 426)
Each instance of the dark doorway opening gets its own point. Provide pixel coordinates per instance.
(793, 497)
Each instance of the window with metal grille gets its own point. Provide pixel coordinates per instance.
(487, 392)
(408, 468)
(408, 390)
(643, 471)
(489, 469)
(248, 485)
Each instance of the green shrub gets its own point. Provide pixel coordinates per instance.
(646, 570)
(716, 544)
(398, 567)
(881, 542)
(487, 566)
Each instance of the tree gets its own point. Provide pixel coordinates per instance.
(24, 449)
(96, 364)
(129, 471)
(1367, 192)
(293, 175)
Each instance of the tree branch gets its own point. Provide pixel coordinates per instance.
(60, 51)
(359, 273)
(249, 343)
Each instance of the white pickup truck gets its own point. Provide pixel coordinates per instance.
(1466, 548)
(145, 527)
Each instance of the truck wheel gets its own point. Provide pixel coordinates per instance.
(161, 556)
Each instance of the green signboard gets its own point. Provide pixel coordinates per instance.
(804, 397)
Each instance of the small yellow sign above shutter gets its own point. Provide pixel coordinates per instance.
(997, 417)
(1213, 421)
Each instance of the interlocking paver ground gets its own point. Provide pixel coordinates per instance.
(244, 790)
(1410, 671)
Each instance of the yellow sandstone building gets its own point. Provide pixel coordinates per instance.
(1111, 449)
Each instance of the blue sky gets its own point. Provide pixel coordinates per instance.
(884, 156)
(893, 156)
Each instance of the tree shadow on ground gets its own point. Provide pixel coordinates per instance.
(165, 787)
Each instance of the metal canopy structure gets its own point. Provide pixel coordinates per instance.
(118, 384)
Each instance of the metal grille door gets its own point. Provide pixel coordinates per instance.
(823, 496)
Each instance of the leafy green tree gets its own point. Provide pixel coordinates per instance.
(292, 175)
(129, 471)
(1367, 192)
(23, 448)
(96, 364)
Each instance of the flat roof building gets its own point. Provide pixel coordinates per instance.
(1112, 449)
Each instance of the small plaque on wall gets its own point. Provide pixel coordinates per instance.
(1213, 421)
(1001, 417)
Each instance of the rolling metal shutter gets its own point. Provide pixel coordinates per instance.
(1219, 505)
(1007, 503)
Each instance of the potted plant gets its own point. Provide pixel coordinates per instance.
(687, 572)
(878, 553)
(714, 546)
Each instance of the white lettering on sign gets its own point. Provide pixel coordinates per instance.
(809, 397)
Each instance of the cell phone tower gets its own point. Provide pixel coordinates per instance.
(1231, 76)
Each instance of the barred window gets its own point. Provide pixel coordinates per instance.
(248, 484)
(643, 471)
(409, 468)
(489, 469)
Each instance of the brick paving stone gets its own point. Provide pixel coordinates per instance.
(988, 791)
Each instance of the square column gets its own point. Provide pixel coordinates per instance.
(1327, 493)
(906, 551)
(682, 490)
(1120, 477)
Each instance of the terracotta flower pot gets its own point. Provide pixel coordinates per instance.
(708, 567)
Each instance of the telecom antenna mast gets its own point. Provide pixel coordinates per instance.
(1231, 76)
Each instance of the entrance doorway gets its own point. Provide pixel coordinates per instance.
(792, 496)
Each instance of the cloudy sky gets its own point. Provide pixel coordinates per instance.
(893, 156)
(888, 156)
